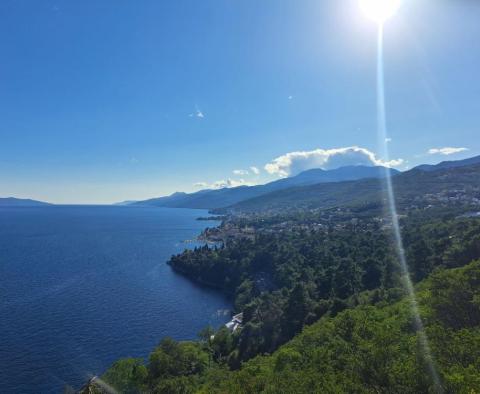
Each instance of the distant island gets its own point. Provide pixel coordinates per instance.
(21, 202)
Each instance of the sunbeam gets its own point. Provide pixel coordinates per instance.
(382, 138)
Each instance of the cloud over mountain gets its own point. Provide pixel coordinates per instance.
(255, 170)
(295, 162)
(223, 183)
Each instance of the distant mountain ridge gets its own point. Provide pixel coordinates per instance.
(336, 184)
(220, 198)
(407, 185)
(448, 164)
(317, 175)
(21, 202)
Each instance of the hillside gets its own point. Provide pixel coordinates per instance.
(20, 202)
(367, 349)
(372, 349)
(210, 199)
(286, 192)
(449, 164)
(408, 186)
(338, 294)
(320, 291)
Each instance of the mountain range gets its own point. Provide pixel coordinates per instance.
(220, 198)
(315, 187)
(335, 185)
(449, 164)
(408, 186)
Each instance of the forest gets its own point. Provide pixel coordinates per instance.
(326, 311)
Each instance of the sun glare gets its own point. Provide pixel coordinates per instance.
(379, 10)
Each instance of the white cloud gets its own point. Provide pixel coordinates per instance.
(255, 170)
(387, 140)
(240, 172)
(223, 183)
(230, 183)
(447, 150)
(392, 163)
(295, 162)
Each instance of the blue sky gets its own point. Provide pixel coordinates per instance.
(102, 101)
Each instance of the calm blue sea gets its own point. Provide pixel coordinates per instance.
(81, 286)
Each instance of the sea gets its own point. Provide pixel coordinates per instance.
(83, 286)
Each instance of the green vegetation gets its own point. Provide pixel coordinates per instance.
(343, 288)
(371, 349)
(367, 349)
(283, 281)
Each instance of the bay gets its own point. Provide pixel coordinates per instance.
(82, 286)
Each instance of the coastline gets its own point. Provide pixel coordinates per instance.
(201, 281)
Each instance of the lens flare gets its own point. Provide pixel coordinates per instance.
(392, 208)
(379, 10)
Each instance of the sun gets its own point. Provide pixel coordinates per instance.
(379, 10)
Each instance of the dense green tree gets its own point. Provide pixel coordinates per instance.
(127, 375)
(298, 306)
(349, 278)
(172, 358)
(374, 271)
(222, 344)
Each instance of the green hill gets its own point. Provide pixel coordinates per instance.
(323, 304)
(408, 186)
(210, 199)
(368, 349)
(376, 349)
(314, 188)
(326, 312)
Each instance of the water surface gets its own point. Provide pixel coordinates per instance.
(81, 286)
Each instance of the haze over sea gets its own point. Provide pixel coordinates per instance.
(82, 286)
